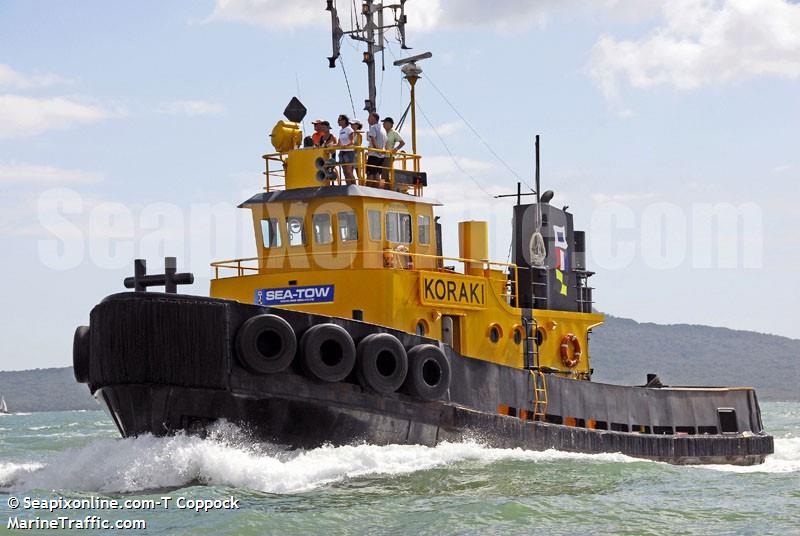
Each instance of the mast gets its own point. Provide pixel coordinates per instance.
(371, 34)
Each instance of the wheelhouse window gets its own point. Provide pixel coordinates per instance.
(348, 226)
(424, 231)
(374, 217)
(398, 227)
(270, 233)
(323, 231)
(295, 232)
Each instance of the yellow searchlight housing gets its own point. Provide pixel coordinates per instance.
(286, 136)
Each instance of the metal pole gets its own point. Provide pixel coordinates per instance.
(413, 82)
(538, 195)
(369, 105)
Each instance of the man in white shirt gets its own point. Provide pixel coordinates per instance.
(347, 157)
(377, 140)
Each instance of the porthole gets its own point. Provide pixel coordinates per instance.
(540, 336)
(421, 328)
(517, 335)
(495, 333)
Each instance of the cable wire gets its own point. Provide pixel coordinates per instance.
(477, 135)
(452, 156)
(352, 104)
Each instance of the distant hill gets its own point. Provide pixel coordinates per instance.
(47, 389)
(623, 352)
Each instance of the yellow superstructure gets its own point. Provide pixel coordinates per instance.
(357, 251)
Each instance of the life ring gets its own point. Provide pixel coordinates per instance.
(397, 257)
(570, 358)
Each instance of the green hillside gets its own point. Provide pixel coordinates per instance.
(624, 350)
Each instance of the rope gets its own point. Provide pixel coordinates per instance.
(477, 135)
(452, 156)
(403, 118)
(352, 105)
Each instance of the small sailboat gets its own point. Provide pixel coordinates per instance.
(3, 405)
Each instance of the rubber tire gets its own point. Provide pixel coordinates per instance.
(420, 358)
(369, 376)
(81, 352)
(311, 352)
(251, 350)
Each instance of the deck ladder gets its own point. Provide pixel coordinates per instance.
(539, 394)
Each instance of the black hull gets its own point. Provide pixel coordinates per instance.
(163, 364)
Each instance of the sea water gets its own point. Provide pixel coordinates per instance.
(454, 488)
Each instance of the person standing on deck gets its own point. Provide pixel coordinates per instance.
(394, 142)
(347, 157)
(376, 140)
(358, 141)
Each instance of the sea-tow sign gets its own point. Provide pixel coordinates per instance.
(452, 291)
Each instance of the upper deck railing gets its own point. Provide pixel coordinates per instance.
(503, 275)
(399, 172)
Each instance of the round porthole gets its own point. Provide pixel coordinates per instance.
(495, 333)
(421, 328)
(517, 336)
(540, 336)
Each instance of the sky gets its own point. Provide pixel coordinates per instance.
(670, 128)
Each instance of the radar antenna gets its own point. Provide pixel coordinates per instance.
(370, 10)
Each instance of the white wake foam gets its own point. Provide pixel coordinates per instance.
(786, 459)
(226, 459)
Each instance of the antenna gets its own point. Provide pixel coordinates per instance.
(367, 34)
(538, 189)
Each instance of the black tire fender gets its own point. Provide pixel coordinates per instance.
(81, 352)
(266, 344)
(327, 352)
(428, 372)
(382, 363)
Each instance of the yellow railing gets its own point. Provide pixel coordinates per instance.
(394, 259)
(393, 160)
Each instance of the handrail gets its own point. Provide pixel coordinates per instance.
(360, 166)
(391, 255)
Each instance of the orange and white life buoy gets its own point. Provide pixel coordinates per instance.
(570, 356)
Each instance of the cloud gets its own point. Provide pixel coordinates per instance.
(276, 15)
(429, 15)
(27, 116)
(626, 197)
(703, 42)
(12, 79)
(444, 130)
(46, 175)
(192, 108)
(443, 166)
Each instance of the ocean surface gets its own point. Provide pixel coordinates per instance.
(462, 488)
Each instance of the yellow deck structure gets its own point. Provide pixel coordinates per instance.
(372, 253)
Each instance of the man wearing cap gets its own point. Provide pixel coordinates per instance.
(322, 136)
(394, 142)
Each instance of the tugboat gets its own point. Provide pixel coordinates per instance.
(351, 325)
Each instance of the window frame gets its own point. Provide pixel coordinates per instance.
(409, 227)
(331, 236)
(274, 231)
(420, 218)
(380, 225)
(303, 236)
(339, 222)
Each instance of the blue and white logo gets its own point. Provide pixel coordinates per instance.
(294, 295)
